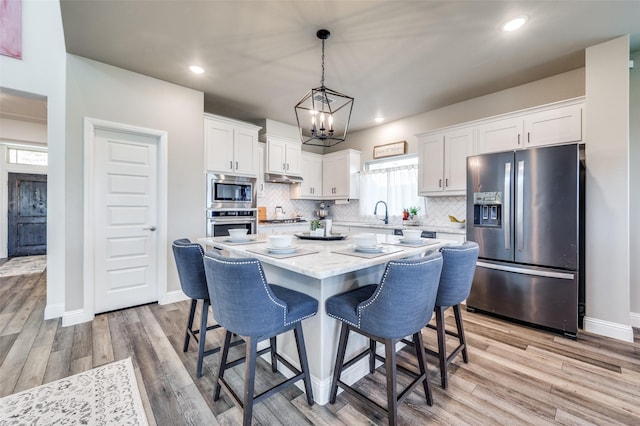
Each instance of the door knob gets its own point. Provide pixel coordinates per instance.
(149, 228)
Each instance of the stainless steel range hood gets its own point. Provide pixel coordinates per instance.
(280, 178)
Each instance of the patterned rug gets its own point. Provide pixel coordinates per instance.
(106, 395)
(23, 265)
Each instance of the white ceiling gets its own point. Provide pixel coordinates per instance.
(397, 58)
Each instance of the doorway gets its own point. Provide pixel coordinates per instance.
(27, 214)
(125, 215)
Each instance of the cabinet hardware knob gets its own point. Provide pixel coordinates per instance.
(236, 165)
(439, 183)
(231, 165)
(446, 182)
(149, 228)
(518, 138)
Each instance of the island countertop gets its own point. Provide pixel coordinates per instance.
(322, 259)
(323, 269)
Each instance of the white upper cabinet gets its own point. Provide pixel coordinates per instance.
(555, 126)
(340, 175)
(230, 146)
(547, 125)
(283, 156)
(311, 171)
(260, 168)
(442, 160)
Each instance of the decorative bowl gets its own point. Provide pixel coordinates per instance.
(365, 240)
(280, 240)
(238, 233)
(412, 234)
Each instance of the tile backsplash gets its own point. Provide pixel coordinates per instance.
(437, 209)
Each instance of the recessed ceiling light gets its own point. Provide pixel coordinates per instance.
(379, 119)
(196, 69)
(514, 23)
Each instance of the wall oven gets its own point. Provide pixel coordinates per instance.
(219, 221)
(230, 192)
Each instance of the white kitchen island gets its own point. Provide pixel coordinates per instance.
(321, 271)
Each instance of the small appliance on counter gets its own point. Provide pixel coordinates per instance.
(323, 210)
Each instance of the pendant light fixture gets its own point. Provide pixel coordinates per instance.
(323, 114)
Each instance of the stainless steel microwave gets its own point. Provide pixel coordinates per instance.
(224, 191)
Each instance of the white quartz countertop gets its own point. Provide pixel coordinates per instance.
(375, 225)
(322, 261)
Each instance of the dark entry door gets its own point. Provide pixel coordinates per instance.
(27, 234)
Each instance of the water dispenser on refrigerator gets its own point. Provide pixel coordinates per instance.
(487, 209)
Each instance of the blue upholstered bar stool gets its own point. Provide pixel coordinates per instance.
(400, 305)
(244, 303)
(459, 265)
(190, 267)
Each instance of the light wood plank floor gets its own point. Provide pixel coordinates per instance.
(516, 375)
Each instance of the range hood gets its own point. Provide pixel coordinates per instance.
(281, 178)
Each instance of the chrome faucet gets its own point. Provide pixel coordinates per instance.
(386, 212)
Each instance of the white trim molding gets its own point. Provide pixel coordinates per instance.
(76, 317)
(635, 319)
(55, 310)
(90, 127)
(608, 329)
(172, 297)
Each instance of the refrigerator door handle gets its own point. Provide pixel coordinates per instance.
(520, 207)
(527, 271)
(507, 206)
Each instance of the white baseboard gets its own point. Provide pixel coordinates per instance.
(172, 297)
(635, 319)
(608, 329)
(55, 310)
(76, 317)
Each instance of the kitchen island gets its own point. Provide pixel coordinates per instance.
(322, 269)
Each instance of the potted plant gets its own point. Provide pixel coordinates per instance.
(316, 228)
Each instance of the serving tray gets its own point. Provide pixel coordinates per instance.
(332, 237)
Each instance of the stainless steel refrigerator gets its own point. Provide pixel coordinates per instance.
(525, 209)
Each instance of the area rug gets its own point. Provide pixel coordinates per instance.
(23, 266)
(107, 395)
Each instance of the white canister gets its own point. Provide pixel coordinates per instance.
(327, 227)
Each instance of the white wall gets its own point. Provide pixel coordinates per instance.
(556, 88)
(607, 184)
(634, 188)
(109, 93)
(41, 71)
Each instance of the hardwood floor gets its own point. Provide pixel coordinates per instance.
(516, 375)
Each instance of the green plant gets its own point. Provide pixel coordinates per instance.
(413, 210)
(315, 224)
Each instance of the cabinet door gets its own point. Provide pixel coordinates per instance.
(457, 146)
(219, 146)
(245, 152)
(276, 156)
(500, 135)
(555, 126)
(311, 168)
(431, 165)
(335, 177)
(292, 157)
(260, 168)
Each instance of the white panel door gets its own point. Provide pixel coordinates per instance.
(125, 256)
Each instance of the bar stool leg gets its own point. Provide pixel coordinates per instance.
(187, 335)
(203, 334)
(249, 379)
(304, 363)
(223, 364)
(463, 341)
(337, 371)
(274, 360)
(390, 365)
(372, 356)
(422, 364)
(442, 345)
